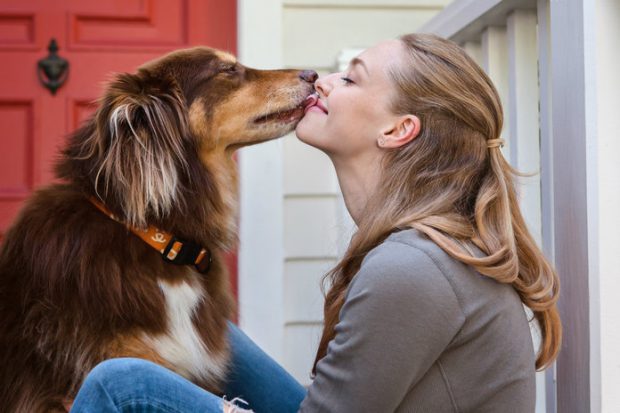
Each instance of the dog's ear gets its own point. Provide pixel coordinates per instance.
(142, 134)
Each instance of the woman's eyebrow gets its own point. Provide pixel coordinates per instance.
(358, 61)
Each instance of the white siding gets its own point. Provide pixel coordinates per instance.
(310, 229)
(307, 171)
(300, 344)
(303, 300)
(343, 25)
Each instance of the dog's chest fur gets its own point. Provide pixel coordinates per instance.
(181, 345)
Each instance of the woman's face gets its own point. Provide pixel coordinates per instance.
(353, 110)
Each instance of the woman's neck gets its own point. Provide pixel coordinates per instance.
(358, 180)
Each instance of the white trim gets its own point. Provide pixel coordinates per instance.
(361, 4)
(464, 20)
(591, 140)
(261, 258)
(605, 170)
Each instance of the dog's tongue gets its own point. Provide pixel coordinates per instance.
(310, 100)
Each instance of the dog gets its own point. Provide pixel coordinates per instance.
(81, 280)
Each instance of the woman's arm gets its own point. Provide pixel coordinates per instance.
(400, 314)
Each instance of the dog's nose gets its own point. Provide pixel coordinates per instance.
(309, 76)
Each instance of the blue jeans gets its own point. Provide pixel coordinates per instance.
(134, 385)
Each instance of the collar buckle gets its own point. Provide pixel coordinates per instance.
(181, 252)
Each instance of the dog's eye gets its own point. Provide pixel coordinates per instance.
(230, 69)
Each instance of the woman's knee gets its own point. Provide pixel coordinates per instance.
(114, 370)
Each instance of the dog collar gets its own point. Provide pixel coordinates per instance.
(171, 248)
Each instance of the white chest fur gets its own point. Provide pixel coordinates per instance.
(181, 344)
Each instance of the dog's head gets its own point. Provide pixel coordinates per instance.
(186, 108)
(230, 105)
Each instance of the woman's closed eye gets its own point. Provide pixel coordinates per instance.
(347, 80)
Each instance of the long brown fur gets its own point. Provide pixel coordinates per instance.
(76, 287)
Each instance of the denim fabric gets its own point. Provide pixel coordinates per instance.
(139, 386)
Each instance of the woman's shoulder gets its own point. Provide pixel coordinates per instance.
(408, 262)
(413, 241)
(409, 256)
(406, 268)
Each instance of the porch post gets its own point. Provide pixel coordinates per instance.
(573, 120)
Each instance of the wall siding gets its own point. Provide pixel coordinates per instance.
(333, 29)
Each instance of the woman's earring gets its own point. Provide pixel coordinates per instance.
(381, 141)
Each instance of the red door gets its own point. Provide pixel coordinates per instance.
(98, 38)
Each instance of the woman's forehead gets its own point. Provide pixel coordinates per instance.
(382, 55)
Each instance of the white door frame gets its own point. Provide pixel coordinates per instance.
(261, 255)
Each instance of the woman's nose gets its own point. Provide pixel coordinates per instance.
(322, 86)
(309, 76)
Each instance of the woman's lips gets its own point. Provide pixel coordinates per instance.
(313, 102)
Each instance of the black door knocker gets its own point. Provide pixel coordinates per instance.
(53, 70)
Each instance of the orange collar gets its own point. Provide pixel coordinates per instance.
(170, 247)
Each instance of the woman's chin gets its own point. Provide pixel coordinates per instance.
(305, 132)
(308, 132)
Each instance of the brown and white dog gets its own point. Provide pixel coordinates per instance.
(78, 287)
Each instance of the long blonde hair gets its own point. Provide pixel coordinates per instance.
(450, 185)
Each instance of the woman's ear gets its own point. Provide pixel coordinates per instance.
(404, 130)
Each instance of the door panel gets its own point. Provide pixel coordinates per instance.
(128, 25)
(16, 158)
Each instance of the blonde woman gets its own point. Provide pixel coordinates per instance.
(425, 310)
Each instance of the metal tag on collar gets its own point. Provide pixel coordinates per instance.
(204, 265)
(181, 252)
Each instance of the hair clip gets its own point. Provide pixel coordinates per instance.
(495, 143)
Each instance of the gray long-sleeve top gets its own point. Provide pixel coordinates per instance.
(422, 332)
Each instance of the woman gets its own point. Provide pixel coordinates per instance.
(425, 310)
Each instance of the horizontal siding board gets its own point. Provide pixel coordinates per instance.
(307, 170)
(300, 344)
(340, 29)
(310, 227)
(303, 299)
